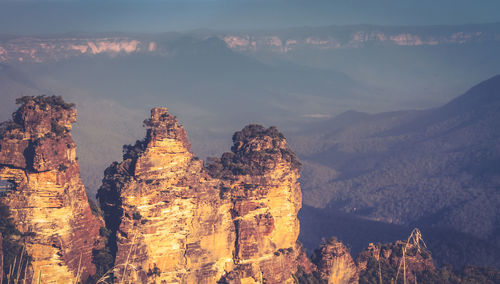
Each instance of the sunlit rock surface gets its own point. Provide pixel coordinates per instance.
(260, 177)
(335, 263)
(234, 221)
(46, 198)
(171, 224)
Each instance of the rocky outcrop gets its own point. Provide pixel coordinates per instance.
(170, 218)
(388, 259)
(260, 177)
(43, 192)
(335, 263)
(173, 220)
(170, 223)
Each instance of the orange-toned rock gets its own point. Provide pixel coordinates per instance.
(171, 225)
(335, 264)
(47, 202)
(175, 221)
(260, 177)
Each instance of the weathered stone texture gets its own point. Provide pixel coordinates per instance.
(266, 198)
(179, 222)
(173, 226)
(336, 264)
(48, 203)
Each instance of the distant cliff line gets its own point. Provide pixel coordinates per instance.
(55, 48)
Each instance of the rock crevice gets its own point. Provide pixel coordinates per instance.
(176, 220)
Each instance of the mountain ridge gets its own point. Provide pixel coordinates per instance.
(432, 168)
(44, 48)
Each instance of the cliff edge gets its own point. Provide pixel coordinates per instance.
(173, 219)
(52, 229)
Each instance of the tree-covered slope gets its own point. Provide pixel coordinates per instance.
(438, 168)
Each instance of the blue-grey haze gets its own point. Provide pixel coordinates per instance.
(35, 17)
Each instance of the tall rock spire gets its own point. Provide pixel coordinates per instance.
(165, 211)
(45, 198)
(174, 220)
(260, 178)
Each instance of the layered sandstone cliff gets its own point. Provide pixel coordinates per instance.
(43, 192)
(260, 177)
(169, 221)
(335, 263)
(173, 220)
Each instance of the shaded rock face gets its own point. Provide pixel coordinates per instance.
(175, 221)
(47, 200)
(335, 263)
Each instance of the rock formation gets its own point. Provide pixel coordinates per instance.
(43, 192)
(388, 260)
(165, 210)
(173, 220)
(260, 177)
(170, 218)
(336, 264)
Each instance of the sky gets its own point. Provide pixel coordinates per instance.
(153, 16)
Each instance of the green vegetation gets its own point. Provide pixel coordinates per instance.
(154, 272)
(15, 259)
(103, 260)
(62, 167)
(43, 101)
(136, 216)
(102, 257)
(58, 129)
(414, 242)
(257, 131)
(96, 210)
(301, 277)
(469, 275)
(108, 196)
(381, 270)
(374, 270)
(485, 275)
(132, 152)
(7, 127)
(247, 160)
(436, 169)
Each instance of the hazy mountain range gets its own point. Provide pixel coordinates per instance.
(49, 48)
(436, 168)
(371, 167)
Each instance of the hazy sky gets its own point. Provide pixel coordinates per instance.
(44, 16)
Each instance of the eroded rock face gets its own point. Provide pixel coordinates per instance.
(170, 222)
(234, 221)
(260, 178)
(335, 263)
(47, 200)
